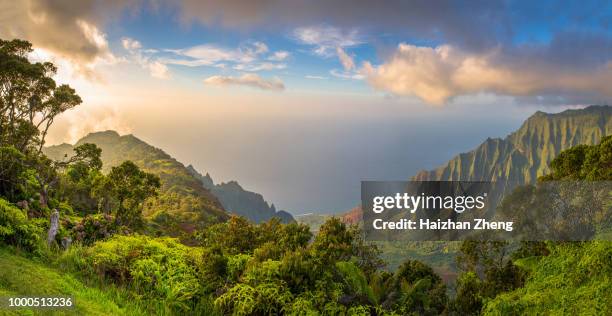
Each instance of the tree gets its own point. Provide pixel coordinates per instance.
(87, 156)
(131, 186)
(491, 263)
(338, 242)
(30, 100)
(78, 182)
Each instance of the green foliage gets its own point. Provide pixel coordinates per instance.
(583, 163)
(468, 299)
(16, 230)
(13, 178)
(490, 262)
(337, 242)
(21, 277)
(238, 235)
(236, 265)
(416, 289)
(574, 279)
(356, 281)
(131, 186)
(161, 270)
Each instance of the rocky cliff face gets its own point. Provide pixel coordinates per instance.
(524, 155)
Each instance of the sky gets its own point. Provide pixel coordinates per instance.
(301, 100)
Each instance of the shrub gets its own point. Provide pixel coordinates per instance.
(157, 268)
(236, 265)
(95, 227)
(573, 279)
(263, 299)
(16, 230)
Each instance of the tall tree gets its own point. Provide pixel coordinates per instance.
(30, 100)
(131, 186)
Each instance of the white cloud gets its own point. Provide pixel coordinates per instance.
(260, 47)
(247, 57)
(326, 39)
(346, 74)
(130, 44)
(260, 67)
(438, 74)
(279, 55)
(143, 57)
(250, 80)
(315, 77)
(158, 70)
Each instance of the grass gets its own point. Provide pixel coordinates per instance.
(21, 276)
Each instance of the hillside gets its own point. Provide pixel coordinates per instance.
(239, 201)
(21, 276)
(184, 202)
(524, 155)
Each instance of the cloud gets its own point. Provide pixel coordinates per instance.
(260, 48)
(438, 74)
(250, 80)
(349, 71)
(353, 75)
(327, 39)
(87, 118)
(67, 30)
(247, 57)
(143, 58)
(279, 55)
(315, 77)
(346, 60)
(471, 24)
(260, 67)
(158, 70)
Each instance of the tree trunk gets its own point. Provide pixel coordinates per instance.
(44, 198)
(53, 227)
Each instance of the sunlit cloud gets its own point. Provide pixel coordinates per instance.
(348, 64)
(346, 60)
(63, 31)
(250, 80)
(438, 74)
(143, 57)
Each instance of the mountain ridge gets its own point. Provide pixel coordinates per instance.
(242, 202)
(524, 154)
(176, 177)
(183, 203)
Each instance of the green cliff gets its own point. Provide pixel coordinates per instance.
(524, 155)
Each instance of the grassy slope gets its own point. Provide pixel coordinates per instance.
(22, 276)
